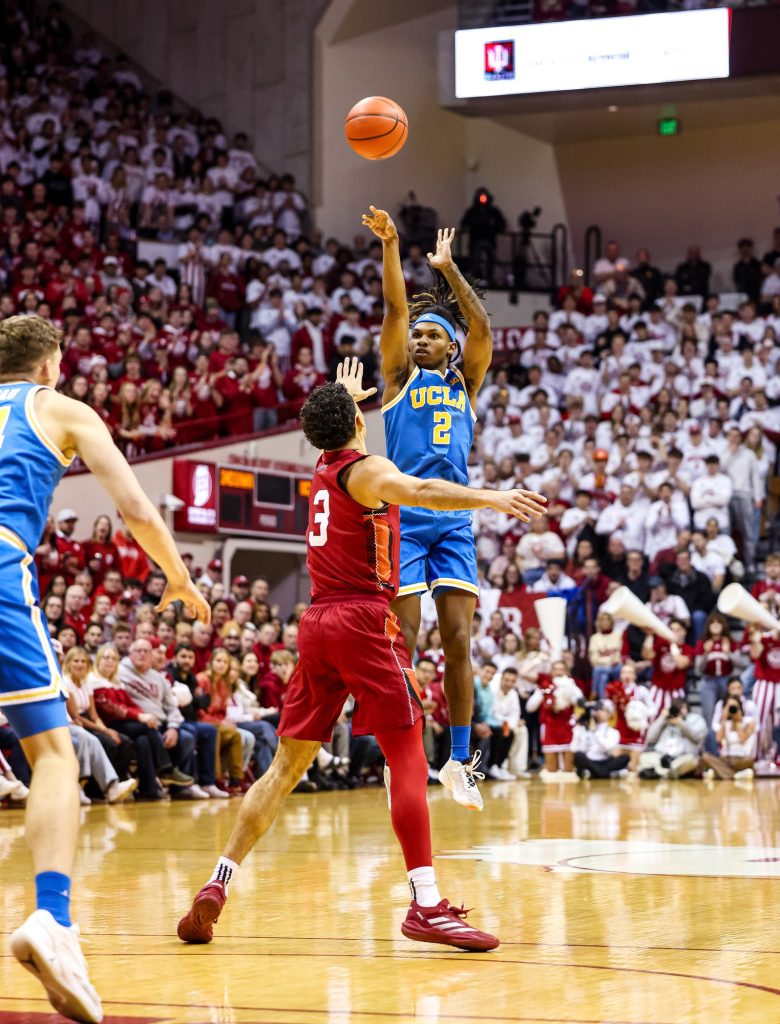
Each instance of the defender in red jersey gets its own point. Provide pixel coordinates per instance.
(349, 642)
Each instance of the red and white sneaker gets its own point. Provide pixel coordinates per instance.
(198, 925)
(446, 924)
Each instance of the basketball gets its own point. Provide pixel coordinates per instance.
(376, 128)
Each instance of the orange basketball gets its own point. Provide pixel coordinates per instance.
(376, 128)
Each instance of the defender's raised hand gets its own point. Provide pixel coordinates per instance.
(350, 374)
(524, 505)
(443, 256)
(381, 223)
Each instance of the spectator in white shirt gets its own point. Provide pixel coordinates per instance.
(625, 519)
(280, 253)
(537, 547)
(577, 519)
(596, 745)
(496, 432)
(276, 324)
(711, 494)
(598, 320)
(706, 560)
(289, 208)
(518, 443)
(665, 518)
(695, 452)
(604, 267)
(667, 606)
(746, 493)
(553, 579)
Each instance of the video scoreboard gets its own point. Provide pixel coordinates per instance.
(259, 498)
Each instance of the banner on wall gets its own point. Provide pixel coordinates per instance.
(647, 49)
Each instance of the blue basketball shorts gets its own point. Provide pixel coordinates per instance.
(31, 688)
(437, 552)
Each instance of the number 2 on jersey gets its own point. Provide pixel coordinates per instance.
(442, 424)
(5, 412)
(317, 540)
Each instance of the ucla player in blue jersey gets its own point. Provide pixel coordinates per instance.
(41, 432)
(429, 414)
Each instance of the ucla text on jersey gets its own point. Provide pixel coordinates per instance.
(429, 425)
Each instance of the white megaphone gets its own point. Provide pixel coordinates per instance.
(624, 604)
(735, 600)
(551, 613)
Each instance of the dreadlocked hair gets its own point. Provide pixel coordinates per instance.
(441, 299)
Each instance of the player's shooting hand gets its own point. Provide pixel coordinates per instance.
(523, 505)
(195, 604)
(381, 224)
(442, 258)
(350, 374)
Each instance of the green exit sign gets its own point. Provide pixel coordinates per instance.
(669, 126)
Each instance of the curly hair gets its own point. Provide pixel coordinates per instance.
(24, 342)
(328, 417)
(441, 299)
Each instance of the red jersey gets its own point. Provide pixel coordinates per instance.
(666, 675)
(768, 665)
(719, 660)
(350, 550)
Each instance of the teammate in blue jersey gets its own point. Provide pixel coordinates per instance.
(428, 410)
(41, 432)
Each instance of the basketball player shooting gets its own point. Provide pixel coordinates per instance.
(428, 408)
(349, 643)
(41, 432)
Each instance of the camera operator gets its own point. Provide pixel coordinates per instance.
(674, 743)
(484, 223)
(736, 737)
(596, 744)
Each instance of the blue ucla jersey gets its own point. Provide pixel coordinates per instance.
(429, 426)
(31, 465)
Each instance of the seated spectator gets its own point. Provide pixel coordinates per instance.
(595, 745)
(234, 744)
(736, 737)
(503, 717)
(180, 672)
(604, 654)
(151, 693)
(674, 743)
(76, 669)
(245, 711)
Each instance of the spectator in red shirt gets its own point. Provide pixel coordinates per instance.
(767, 590)
(227, 288)
(64, 540)
(301, 380)
(670, 664)
(75, 602)
(273, 685)
(133, 562)
(202, 644)
(101, 553)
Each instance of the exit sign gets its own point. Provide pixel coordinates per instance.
(669, 126)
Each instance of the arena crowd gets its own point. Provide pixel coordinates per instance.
(645, 408)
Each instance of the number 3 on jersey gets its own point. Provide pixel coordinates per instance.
(317, 540)
(442, 425)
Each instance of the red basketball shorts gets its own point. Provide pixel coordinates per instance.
(350, 647)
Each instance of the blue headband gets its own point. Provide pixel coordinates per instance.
(434, 318)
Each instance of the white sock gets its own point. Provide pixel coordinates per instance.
(224, 871)
(422, 882)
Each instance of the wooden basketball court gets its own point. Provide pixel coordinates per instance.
(617, 903)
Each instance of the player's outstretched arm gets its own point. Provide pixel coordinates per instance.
(376, 480)
(77, 428)
(478, 350)
(394, 339)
